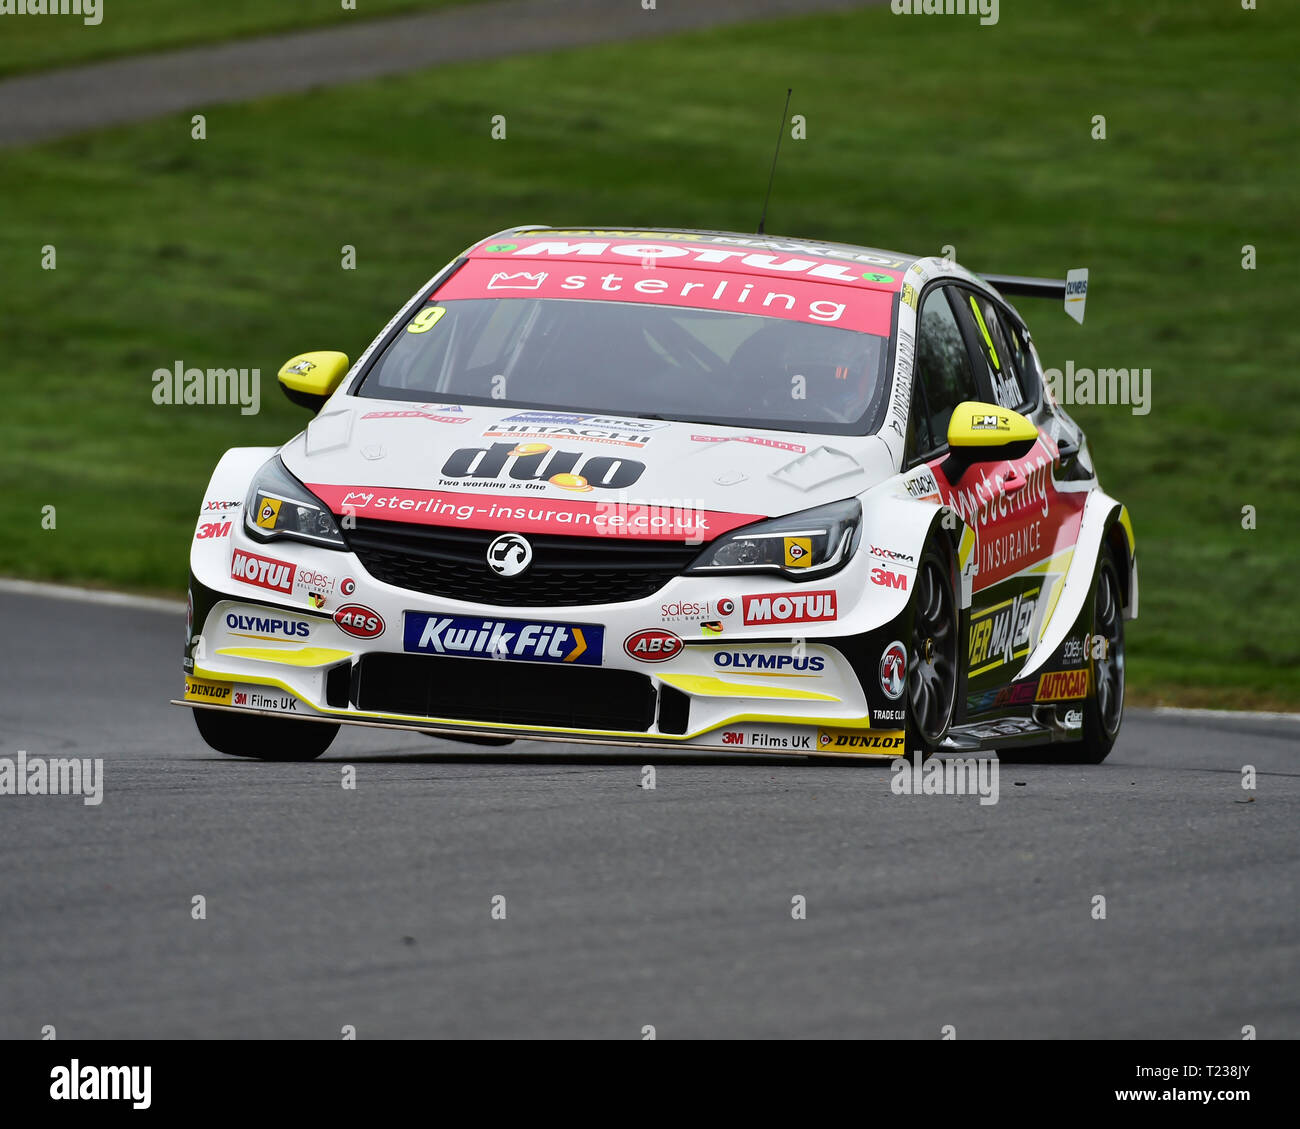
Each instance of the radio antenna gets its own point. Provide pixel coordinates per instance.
(762, 220)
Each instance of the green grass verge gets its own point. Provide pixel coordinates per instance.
(33, 42)
(921, 132)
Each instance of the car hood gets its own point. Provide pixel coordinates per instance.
(367, 445)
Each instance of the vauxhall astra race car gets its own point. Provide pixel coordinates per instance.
(680, 489)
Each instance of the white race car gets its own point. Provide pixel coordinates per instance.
(673, 489)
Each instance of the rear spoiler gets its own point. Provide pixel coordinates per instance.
(1073, 290)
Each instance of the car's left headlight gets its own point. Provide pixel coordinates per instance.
(811, 543)
(278, 505)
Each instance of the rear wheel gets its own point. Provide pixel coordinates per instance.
(932, 654)
(266, 738)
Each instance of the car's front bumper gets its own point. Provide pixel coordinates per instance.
(774, 687)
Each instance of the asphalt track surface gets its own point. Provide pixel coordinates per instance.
(51, 104)
(624, 907)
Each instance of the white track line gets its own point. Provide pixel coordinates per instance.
(88, 595)
(1177, 711)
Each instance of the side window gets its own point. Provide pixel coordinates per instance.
(943, 374)
(1026, 361)
(1004, 376)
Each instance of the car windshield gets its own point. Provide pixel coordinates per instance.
(634, 358)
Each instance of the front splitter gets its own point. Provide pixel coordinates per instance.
(558, 738)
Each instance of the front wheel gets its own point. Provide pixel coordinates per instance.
(932, 654)
(266, 738)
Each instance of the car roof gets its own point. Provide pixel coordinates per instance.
(893, 261)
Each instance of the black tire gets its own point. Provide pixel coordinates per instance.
(1103, 709)
(1103, 712)
(932, 656)
(265, 738)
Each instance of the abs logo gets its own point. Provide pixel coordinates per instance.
(358, 620)
(509, 555)
(541, 463)
(893, 670)
(653, 645)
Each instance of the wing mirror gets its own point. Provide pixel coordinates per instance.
(984, 432)
(309, 379)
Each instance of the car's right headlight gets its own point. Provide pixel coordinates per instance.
(800, 546)
(278, 505)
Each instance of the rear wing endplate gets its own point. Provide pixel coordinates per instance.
(1073, 290)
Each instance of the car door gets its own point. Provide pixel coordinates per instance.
(1037, 524)
(1004, 501)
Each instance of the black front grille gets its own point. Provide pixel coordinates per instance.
(507, 693)
(565, 571)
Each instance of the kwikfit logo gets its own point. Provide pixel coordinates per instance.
(531, 641)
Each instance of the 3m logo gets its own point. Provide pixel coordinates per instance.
(213, 529)
(888, 579)
(733, 738)
(265, 572)
(241, 698)
(801, 607)
(1063, 685)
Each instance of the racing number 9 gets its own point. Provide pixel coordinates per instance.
(426, 319)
